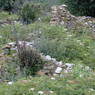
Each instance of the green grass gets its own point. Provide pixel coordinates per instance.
(71, 84)
(6, 16)
(57, 41)
(73, 46)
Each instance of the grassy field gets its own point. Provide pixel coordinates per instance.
(75, 46)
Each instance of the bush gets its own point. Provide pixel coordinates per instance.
(30, 12)
(81, 7)
(30, 60)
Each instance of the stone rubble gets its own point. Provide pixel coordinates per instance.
(51, 67)
(61, 16)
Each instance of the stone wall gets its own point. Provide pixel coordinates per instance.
(61, 16)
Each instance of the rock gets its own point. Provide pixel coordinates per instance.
(59, 64)
(69, 65)
(40, 92)
(53, 59)
(60, 15)
(58, 70)
(48, 58)
(31, 89)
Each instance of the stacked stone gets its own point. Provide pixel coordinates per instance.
(54, 14)
(60, 15)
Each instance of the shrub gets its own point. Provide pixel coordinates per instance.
(30, 12)
(30, 60)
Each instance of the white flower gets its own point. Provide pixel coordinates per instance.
(10, 83)
(52, 78)
(31, 89)
(81, 75)
(51, 92)
(40, 92)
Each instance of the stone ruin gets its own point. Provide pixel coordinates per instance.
(51, 67)
(61, 16)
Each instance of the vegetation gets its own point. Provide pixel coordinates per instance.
(20, 63)
(81, 7)
(71, 84)
(29, 59)
(30, 12)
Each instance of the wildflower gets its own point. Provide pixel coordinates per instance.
(31, 89)
(10, 83)
(52, 78)
(40, 92)
(51, 92)
(81, 75)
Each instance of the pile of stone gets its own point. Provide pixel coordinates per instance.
(54, 67)
(61, 16)
(51, 67)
